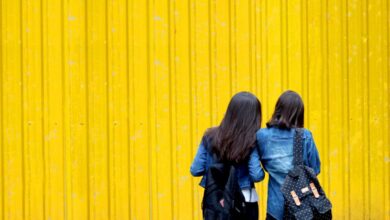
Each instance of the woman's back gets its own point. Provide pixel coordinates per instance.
(276, 155)
(204, 159)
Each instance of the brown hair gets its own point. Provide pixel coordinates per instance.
(289, 111)
(235, 137)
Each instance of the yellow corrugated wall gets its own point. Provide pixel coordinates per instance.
(103, 102)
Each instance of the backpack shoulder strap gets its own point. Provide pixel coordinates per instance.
(298, 147)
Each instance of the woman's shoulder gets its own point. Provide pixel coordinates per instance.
(263, 133)
(270, 131)
(274, 131)
(307, 133)
(264, 130)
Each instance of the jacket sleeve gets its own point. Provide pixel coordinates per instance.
(313, 158)
(198, 166)
(255, 170)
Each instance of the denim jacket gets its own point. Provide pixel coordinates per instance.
(247, 172)
(276, 155)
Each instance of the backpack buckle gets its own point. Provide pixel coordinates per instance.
(314, 190)
(295, 198)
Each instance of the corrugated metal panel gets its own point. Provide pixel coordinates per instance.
(103, 103)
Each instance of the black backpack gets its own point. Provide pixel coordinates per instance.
(303, 194)
(222, 183)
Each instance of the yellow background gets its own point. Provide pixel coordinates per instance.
(103, 103)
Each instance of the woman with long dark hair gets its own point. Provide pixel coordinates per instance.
(232, 142)
(275, 145)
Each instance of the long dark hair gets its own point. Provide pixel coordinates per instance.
(234, 138)
(289, 111)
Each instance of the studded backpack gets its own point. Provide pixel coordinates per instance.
(302, 192)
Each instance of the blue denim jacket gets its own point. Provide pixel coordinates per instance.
(276, 155)
(247, 172)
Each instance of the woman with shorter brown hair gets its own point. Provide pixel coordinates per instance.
(275, 145)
